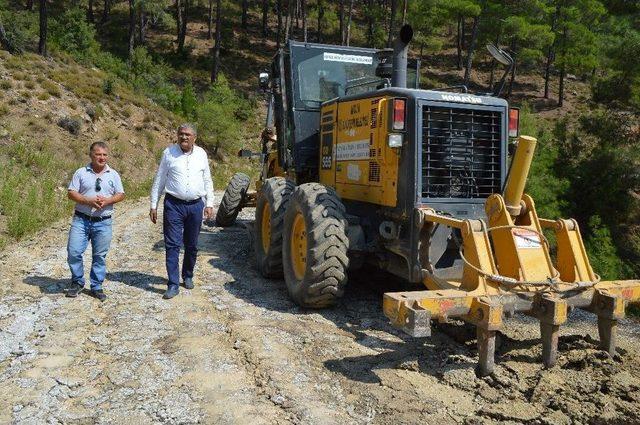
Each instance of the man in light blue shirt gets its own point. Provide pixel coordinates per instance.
(94, 188)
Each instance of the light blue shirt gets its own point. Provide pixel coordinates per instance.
(84, 182)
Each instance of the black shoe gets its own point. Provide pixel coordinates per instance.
(74, 290)
(171, 292)
(188, 283)
(99, 294)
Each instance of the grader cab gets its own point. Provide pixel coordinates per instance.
(364, 168)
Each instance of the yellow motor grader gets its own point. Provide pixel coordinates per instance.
(366, 168)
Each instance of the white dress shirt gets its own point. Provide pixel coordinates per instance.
(183, 175)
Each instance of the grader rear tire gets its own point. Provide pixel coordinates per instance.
(270, 208)
(232, 200)
(315, 246)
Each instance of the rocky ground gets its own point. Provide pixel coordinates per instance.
(235, 350)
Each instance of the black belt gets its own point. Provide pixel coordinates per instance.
(182, 201)
(91, 218)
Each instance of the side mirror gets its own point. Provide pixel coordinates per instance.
(263, 80)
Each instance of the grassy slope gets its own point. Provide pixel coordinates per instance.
(38, 156)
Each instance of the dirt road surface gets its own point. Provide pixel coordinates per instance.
(235, 350)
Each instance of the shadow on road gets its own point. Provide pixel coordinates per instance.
(48, 285)
(139, 280)
(359, 312)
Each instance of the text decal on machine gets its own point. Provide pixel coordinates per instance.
(526, 238)
(352, 150)
(337, 57)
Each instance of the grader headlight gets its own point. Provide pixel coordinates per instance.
(394, 140)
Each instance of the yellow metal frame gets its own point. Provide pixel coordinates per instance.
(508, 268)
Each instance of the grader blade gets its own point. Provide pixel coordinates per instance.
(507, 269)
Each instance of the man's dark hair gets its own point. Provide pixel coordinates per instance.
(102, 145)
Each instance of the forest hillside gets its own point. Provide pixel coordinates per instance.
(77, 71)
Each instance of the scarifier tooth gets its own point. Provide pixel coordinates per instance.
(549, 334)
(608, 331)
(486, 352)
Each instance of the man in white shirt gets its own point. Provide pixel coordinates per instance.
(184, 176)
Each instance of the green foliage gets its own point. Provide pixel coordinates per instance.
(21, 27)
(188, 101)
(72, 33)
(22, 201)
(152, 79)
(108, 86)
(219, 116)
(621, 84)
(600, 161)
(577, 23)
(546, 188)
(602, 251)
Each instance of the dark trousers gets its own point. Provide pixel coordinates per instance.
(181, 223)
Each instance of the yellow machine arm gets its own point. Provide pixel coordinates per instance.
(508, 268)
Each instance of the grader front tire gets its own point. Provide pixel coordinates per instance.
(232, 200)
(270, 208)
(315, 246)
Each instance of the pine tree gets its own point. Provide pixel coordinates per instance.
(577, 41)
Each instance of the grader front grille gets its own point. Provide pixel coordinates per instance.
(461, 152)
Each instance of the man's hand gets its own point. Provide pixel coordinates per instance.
(208, 213)
(96, 203)
(153, 215)
(102, 200)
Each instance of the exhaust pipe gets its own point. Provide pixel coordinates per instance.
(400, 50)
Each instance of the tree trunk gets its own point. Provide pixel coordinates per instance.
(563, 69)
(551, 53)
(142, 27)
(341, 19)
(179, 19)
(183, 27)
(370, 24)
(561, 87)
(29, 5)
(320, 18)
(90, 11)
(105, 11)
(42, 43)
(463, 34)
(472, 46)
(288, 21)
(404, 12)
(216, 49)
(265, 10)
(245, 9)
(210, 19)
(513, 69)
(459, 43)
(391, 23)
(279, 34)
(132, 27)
(303, 5)
(348, 35)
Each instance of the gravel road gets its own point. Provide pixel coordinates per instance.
(235, 350)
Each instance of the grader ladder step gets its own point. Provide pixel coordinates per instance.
(413, 312)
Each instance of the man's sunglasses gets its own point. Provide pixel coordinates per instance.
(98, 181)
